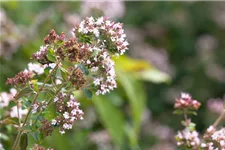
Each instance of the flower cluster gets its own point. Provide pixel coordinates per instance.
(68, 111)
(105, 33)
(186, 101)
(39, 106)
(188, 138)
(82, 62)
(101, 67)
(21, 78)
(5, 99)
(214, 139)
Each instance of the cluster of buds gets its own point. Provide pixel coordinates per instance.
(22, 78)
(68, 111)
(214, 139)
(46, 128)
(186, 102)
(77, 77)
(188, 138)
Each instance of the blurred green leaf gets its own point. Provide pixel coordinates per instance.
(136, 96)
(178, 112)
(23, 141)
(142, 69)
(111, 117)
(153, 75)
(11, 104)
(84, 69)
(192, 112)
(88, 93)
(13, 120)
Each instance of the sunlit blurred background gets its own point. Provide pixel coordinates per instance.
(174, 47)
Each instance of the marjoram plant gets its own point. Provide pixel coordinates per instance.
(189, 139)
(64, 65)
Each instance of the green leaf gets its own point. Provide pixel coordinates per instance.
(23, 141)
(84, 69)
(23, 92)
(192, 112)
(13, 120)
(137, 98)
(11, 104)
(88, 93)
(111, 117)
(178, 111)
(50, 55)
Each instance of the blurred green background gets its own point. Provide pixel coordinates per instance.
(174, 47)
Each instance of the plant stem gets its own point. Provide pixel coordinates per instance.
(29, 111)
(185, 115)
(222, 115)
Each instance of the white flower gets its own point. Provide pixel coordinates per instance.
(62, 131)
(14, 113)
(57, 82)
(100, 21)
(74, 112)
(37, 68)
(56, 99)
(94, 69)
(52, 65)
(66, 115)
(54, 122)
(34, 108)
(13, 91)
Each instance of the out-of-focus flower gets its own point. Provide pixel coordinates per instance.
(214, 139)
(215, 71)
(186, 101)
(10, 36)
(163, 132)
(111, 9)
(101, 139)
(219, 13)
(90, 118)
(216, 105)
(5, 98)
(39, 147)
(163, 146)
(14, 113)
(156, 56)
(187, 138)
(206, 43)
(72, 19)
